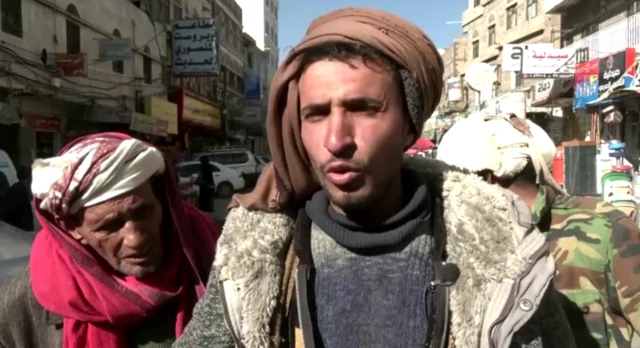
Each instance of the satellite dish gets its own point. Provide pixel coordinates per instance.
(480, 77)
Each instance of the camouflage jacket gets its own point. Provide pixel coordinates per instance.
(597, 252)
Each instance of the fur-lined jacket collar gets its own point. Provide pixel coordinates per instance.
(489, 236)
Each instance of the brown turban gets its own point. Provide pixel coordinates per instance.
(289, 179)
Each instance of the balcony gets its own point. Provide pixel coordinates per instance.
(617, 37)
(470, 15)
(557, 6)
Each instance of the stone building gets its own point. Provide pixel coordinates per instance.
(490, 24)
(455, 60)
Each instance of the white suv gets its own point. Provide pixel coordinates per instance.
(239, 159)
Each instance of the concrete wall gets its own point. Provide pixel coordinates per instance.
(44, 27)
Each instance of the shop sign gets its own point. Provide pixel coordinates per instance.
(72, 64)
(147, 124)
(115, 49)
(454, 89)
(548, 63)
(41, 123)
(612, 70)
(8, 114)
(512, 54)
(252, 88)
(195, 47)
(201, 113)
(586, 83)
(163, 111)
(543, 89)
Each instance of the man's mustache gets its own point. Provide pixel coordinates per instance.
(356, 164)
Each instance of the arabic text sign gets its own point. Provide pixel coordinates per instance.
(195, 47)
(586, 83)
(613, 67)
(512, 54)
(115, 49)
(548, 63)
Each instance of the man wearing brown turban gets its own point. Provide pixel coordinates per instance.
(343, 243)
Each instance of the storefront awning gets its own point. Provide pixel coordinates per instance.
(553, 93)
(613, 96)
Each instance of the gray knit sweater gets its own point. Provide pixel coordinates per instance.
(370, 283)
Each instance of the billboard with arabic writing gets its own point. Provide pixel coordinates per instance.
(548, 63)
(612, 70)
(195, 47)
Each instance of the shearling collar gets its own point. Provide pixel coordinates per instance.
(478, 219)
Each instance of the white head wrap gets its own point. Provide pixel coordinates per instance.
(130, 164)
(493, 143)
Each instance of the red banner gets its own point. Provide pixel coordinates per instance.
(72, 64)
(42, 123)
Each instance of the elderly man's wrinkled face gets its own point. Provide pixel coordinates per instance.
(125, 231)
(353, 130)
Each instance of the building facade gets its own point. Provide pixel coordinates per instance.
(454, 58)
(228, 15)
(260, 20)
(602, 31)
(491, 24)
(54, 85)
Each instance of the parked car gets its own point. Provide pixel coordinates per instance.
(226, 179)
(15, 248)
(239, 159)
(264, 158)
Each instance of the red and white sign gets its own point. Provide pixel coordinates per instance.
(41, 123)
(72, 64)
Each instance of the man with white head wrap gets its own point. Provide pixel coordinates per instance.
(596, 246)
(120, 260)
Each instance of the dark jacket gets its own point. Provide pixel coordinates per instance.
(16, 207)
(257, 296)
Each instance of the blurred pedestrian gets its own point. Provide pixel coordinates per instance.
(16, 204)
(120, 261)
(207, 185)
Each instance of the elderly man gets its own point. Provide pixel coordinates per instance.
(342, 244)
(120, 260)
(595, 246)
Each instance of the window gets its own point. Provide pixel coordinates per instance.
(117, 65)
(590, 29)
(189, 170)
(250, 60)
(147, 70)
(73, 31)
(492, 35)
(476, 49)
(266, 27)
(275, 38)
(632, 8)
(532, 9)
(512, 17)
(567, 40)
(476, 3)
(11, 11)
(177, 12)
(230, 158)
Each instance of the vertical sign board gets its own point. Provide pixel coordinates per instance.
(195, 48)
(586, 83)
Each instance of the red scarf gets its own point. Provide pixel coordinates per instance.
(99, 305)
